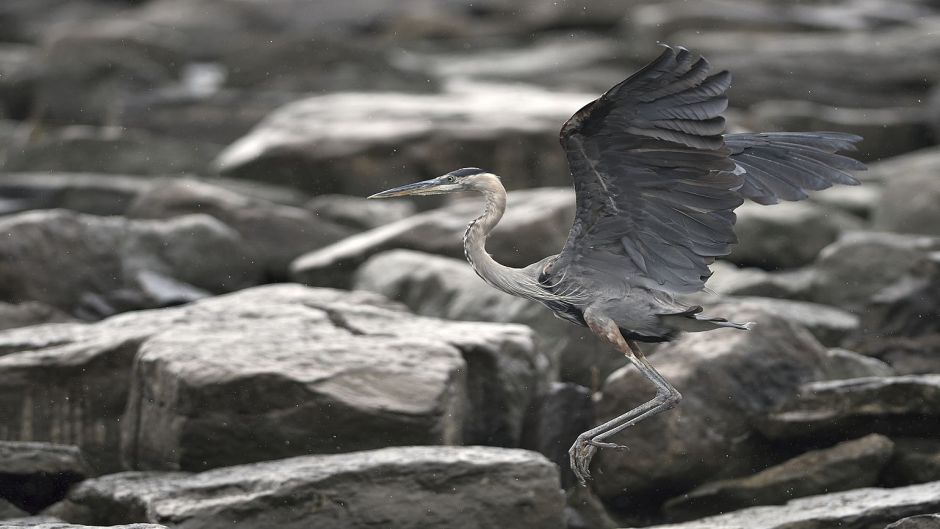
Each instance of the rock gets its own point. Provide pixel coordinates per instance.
(729, 280)
(117, 264)
(564, 412)
(273, 234)
(81, 148)
(36, 475)
(347, 143)
(842, 364)
(845, 466)
(921, 162)
(908, 203)
(43, 523)
(837, 409)
(360, 213)
(862, 508)
(94, 193)
(406, 487)
(860, 200)
(916, 460)
(828, 324)
(726, 377)
(585, 510)
(923, 521)
(29, 20)
(8, 510)
(906, 356)
(448, 288)
(536, 225)
(850, 271)
(18, 76)
(886, 132)
(785, 235)
(216, 361)
(28, 313)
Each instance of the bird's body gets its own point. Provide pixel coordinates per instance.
(656, 184)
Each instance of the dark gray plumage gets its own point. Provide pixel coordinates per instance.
(656, 185)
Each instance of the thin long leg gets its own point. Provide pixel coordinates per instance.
(582, 451)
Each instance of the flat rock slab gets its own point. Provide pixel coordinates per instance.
(405, 487)
(905, 405)
(265, 373)
(845, 466)
(870, 508)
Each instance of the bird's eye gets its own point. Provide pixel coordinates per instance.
(451, 179)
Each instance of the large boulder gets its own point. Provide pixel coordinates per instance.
(859, 508)
(263, 373)
(358, 144)
(536, 225)
(909, 201)
(448, 288)
(94, 193)
(36, 475)
(728, 378)
(407, 487)
(849, 465)
(358, 212)
(116, 264)
(274, 234)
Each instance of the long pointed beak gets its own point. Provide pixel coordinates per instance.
(427, 187)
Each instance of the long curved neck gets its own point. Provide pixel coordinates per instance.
(507, 279)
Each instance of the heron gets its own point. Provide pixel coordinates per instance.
(656, 184)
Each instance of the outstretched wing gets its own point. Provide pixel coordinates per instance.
(655, 185)
(783, 165)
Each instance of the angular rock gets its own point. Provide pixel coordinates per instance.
(80, 148)
(536, 225)
(8, 510)
(406, 487)
(726, 377)
(921, 162)
(116, 264)
(210, 401)
(36, 475)
(19, 73)
(29, 313)
(346, 143)
(886, 132)
(843, 364)
(785, 235)
(828, 324)
(860, 508)
(916, 460)
(909, 203)
(923, 521)
(905, 405)
(564, 412)
(730, 280)
(273, 234)
(849, 465)
(93, 193)
(448, 288)
(360, 213)
(860, 200)
(906, 356)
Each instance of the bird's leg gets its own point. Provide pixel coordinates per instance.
(582, 451)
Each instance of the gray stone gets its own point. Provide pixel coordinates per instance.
(916, 460)
(108, 255)
(838, 409)
(28, 313)
(448, 288)
(729, 280)
(36, 475)
(845, 466)
(909, 202)
(80, 148)
(44, 523)
(923, 521)
(726, 377)
(564, 412)
(785, 235)
(536, 225)
(906, 356)
(274, 234)
(358, 212)
(94, 193)
(828, 324)
(860, 200)
(19, 73)
(869, 508)
(842, 364)
(8, 510)
(922, 162)
(886, 132)
(407, 487)
(346, 143)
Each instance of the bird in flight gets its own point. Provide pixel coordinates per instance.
(656, 183)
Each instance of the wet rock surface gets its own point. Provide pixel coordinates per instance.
(465, 487)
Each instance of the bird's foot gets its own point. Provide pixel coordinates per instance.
(601, 444)
(579, 456)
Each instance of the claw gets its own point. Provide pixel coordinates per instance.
(601, 444)
(580, 455)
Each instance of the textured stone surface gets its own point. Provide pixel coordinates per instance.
(842, 364)
(28, 313)
(828, 324)
(408, 487)
(117, 264)
(837, 409)
(870, 508)
(448, 288)
(849, 465)
(536, 225)
(726, 377)
(923, 521)
(36, 475)
(916, 460)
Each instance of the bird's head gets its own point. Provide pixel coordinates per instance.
(466, 179)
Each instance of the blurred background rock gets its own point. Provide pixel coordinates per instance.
(163, 162)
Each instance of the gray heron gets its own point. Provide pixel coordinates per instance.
(656, 183)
